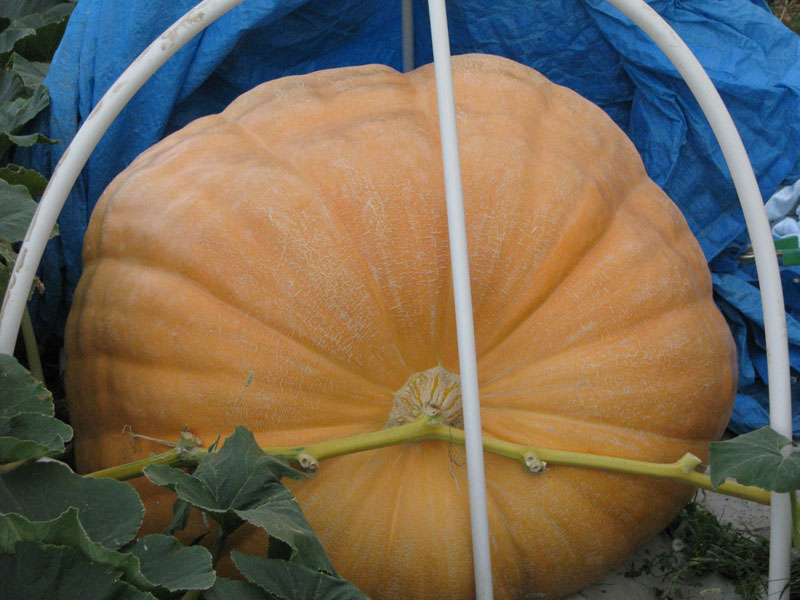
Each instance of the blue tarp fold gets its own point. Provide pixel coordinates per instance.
(586, 45)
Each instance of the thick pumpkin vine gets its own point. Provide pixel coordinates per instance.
(60, 530)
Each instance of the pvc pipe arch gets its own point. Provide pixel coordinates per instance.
(758, 227)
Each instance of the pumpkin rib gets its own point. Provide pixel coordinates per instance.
(249, 316)
(594, 500)
(190, 133)
(372, 284)
(605, 335)
(681, 243)
(553, 287)
(145, 369)
(401, 475)
(619, 430)
(494, 507)
(345, 133)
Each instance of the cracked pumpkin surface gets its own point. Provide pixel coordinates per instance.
(301, 236)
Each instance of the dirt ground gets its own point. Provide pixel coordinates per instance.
(616, 585)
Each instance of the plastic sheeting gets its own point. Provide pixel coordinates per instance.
(588, 46)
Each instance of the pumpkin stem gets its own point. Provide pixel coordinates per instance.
(435, 393)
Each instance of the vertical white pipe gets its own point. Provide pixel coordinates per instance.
(407, 20)
(463, 301)
(766, 261)
(76, 155)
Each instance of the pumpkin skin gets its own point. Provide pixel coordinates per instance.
(301, 235)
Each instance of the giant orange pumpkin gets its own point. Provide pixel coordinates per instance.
(301, 236)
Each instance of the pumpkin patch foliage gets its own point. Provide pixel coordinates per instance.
(62, 532)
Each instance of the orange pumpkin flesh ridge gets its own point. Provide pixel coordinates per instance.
(301, 236)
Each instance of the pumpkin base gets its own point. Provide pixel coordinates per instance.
(435, 392)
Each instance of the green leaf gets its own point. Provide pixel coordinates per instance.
(11, 35)
(17, 9)
(27, 436)
(20, 392)
(31, 72)
(44, 571)
(240, 482)
(189, 566)
(25, 141)
(19, 103)
(34, 181)
(16, 210)
(231, 589)
(290, 581)
(6, 265)
(281, 517)
(189, 489)
(27, 426)
(763, 458)
(67, 530)
(110, 511)
(240, 468)
(170, 565)
(35, 27)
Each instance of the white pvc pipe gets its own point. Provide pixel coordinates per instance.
(766, 261)
(407, 20)
(459, 258)
(76, 155)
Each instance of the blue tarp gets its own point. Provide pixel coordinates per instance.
(586, 45)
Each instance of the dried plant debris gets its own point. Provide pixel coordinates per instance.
(703, 546)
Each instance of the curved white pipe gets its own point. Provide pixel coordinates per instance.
(76, 155)
(766, 261)
(462, 296)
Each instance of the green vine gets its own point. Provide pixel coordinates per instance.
(427, 427)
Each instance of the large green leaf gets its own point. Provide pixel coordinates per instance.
(27, 436)
(16, 210)
(50, 572)
(109, 511)
(67, 530)
(20, 392)
(239, 483)
(289, 581)
(14, 10)
(34, 181)
(170, 565)
(31, 72)
(281, 517)
(27, 426)
(763, 458)
(34, 27)
(19, 104)
(153, 563)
